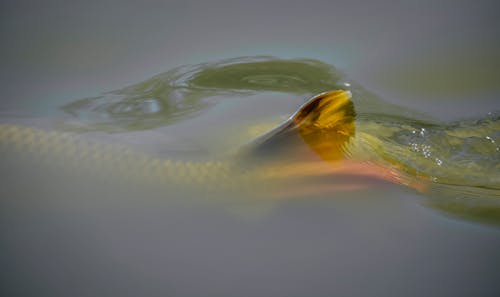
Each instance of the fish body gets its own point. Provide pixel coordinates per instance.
(340, 140)
(242, 171)
(333, 143)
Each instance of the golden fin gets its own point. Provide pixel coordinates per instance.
(326, 123)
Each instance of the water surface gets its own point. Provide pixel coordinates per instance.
(64, 232)
(103, 235)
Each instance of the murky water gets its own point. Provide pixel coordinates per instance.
(197, 171)
(174, 186)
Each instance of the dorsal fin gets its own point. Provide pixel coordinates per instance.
(326, 123)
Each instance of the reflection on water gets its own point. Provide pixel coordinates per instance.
(188, 90)
(185, 91)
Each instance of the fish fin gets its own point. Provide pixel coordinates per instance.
(326, 123)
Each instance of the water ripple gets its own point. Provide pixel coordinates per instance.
(184, 92)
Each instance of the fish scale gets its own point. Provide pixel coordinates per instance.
(85, 155)
(405, 152)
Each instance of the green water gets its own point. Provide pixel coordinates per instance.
(186, 91)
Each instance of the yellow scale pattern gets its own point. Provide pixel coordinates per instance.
(111, 160)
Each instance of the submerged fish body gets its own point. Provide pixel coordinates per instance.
(332, 147)
(325, 125)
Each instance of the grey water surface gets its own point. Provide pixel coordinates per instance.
(98, 68)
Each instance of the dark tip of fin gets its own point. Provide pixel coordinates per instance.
(326, 123)
(329, 110)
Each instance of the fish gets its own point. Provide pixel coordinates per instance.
(323, 147)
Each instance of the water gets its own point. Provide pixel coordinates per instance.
(68, 231)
